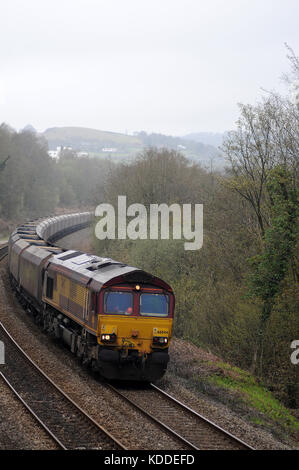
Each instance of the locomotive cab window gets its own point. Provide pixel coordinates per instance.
(118, 303)
(50, 287)
(155, 305)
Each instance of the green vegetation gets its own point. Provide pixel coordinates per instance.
(28, 172)
(271, 267)
(213, 309)
(203, 373)
(238, 296)
(254, 395)
(70, 182)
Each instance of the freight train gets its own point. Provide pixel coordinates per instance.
(115, 317)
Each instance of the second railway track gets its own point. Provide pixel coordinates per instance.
(190, 427)
(68, 424)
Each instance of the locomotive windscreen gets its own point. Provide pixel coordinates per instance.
(118, 302)
(154, 305)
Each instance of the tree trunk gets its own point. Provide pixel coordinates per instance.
(257, 354)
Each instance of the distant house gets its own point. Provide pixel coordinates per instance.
(109, 149)
(82, 154)
(56, 153)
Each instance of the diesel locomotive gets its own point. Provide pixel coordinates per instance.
(115, 317)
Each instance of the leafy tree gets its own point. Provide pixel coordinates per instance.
(27, 173)
(271, 267)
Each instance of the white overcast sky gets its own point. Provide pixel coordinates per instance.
(169, 66)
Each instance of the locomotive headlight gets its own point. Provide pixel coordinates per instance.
(160, 340)
(108, 338)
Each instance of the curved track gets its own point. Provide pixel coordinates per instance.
(71, 427)
(3, 251)
(68, 424)
(32, 413)
(177, 419)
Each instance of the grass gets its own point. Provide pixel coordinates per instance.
(253, 394)
(203, 373)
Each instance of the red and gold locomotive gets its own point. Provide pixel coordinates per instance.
(116, 317)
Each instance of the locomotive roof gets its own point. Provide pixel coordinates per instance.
(96, 270)
(84, 267)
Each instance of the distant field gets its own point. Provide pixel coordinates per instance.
(117, 156)
(125, 147)
(86, 137)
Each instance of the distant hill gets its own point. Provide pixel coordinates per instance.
(90, 140)
(208, 138)
(194, 150)
(29, 128)
(121, 146)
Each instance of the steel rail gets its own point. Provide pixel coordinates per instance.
(44, 426)
(221, 438)
(201, 417)
(152, 418)
(69, 400)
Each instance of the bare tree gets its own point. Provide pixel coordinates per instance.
(267, 135)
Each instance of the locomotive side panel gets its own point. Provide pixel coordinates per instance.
(14, 260)
(32, 261)
(69, 297)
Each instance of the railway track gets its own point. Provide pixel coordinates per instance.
(68, 424)
(3, 251)
(177, 419)
(31, 412)
(71, 427)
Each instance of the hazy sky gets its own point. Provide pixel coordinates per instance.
(170, 66)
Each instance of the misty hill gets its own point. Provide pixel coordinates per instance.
(90, 140)
(208, 138)
(121, 146)
(197, 151)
